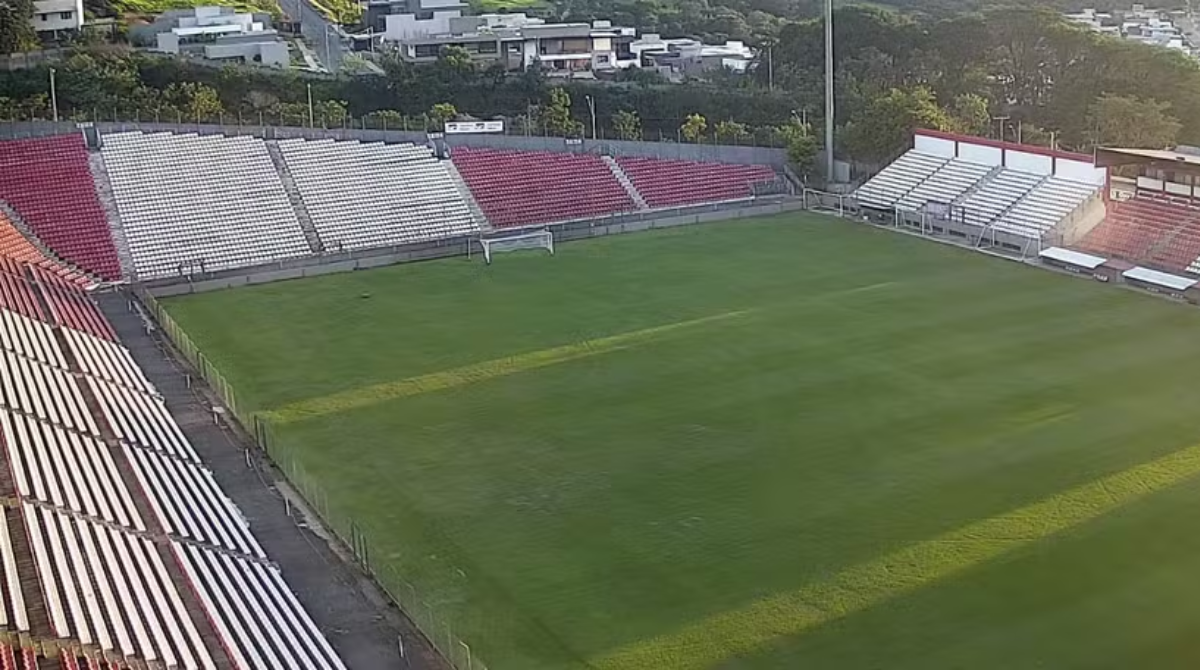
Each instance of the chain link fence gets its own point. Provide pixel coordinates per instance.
(435, 625)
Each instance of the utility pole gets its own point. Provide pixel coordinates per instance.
(310, 107)
(829, 90)
(53, 96)
(591, 103)
(770, 68)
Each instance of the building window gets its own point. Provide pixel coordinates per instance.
(426, 51)
(425, 16)
(66, 16)
(487, 47)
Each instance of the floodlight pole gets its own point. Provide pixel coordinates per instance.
(591, 103)
(310, 107)
(829, 90)
(53, 96)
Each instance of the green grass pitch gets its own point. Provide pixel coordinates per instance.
(793, 442)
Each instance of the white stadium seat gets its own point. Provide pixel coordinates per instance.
(369, 194)
(893, 182)
(190, 203)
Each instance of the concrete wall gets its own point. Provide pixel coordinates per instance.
(671, 150)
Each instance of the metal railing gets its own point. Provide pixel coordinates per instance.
(434, 625)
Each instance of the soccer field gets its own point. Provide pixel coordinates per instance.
(788, 443)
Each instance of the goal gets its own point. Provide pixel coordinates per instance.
(536, 239)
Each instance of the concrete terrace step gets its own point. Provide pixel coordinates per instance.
(626, 183)
(465, 191)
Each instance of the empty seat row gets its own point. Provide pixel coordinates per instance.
(110, 588)
(953, 179)
(141, 419)
(106, 360)
(70, 305)
(1044, 207)
(675, 183)
(369, 194)
(996, 194)
(70, 471)
(31, 339)
(189, 503)
(44, 392)
(14, 245)
(191, 203)
(48, 182)
(520, 188)
(257, 612)
(902, 175)
(18, 296)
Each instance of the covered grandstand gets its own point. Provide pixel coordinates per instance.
(993, 194)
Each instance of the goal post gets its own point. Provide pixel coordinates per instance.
(531, 239)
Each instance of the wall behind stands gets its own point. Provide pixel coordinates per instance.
(669, 150)
(1023, 157)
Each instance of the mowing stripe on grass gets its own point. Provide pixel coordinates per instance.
(478, 372)
(752, 628)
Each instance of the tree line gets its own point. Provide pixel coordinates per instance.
(1003, 72)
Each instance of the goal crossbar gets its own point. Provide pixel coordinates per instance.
(533, 239)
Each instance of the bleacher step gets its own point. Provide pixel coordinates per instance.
(626, 182)
(108, 200)
(465, 191)
(289, 185)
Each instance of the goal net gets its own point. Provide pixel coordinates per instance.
(537, 239)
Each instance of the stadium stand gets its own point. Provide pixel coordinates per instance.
(996, 195)
(370, 194)
(113, 526)
(1157, 229)
(672, 183)
(15, 246)
(517, 188)
(946, 185)
(893, 182)
(1044, 206)
(257, 610)
(193, 203)
(47, 181)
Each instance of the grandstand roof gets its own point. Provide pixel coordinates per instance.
(1110, 156)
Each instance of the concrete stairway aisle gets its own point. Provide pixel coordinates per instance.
(465, 191)
(293, 193)
(108, 200)
(626, 183)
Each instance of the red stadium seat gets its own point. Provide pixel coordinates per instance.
(49, 184)
(671, 183)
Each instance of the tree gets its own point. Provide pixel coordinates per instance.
(627, 125)
(802, 152)
(194, 101)
(693, 128)
(886, 123)
(731, 132)
(556, 114)
(456, 61)
(970, 114)
(441, 113)
(1132, 122)
(16, 32)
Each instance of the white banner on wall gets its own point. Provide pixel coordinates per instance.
(461, 127)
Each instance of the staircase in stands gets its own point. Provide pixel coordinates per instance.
(293, 194)
(625, 182)
(467, 196)
(108, 201)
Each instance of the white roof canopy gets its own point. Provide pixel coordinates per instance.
(1157, 278)
(1072, 257)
